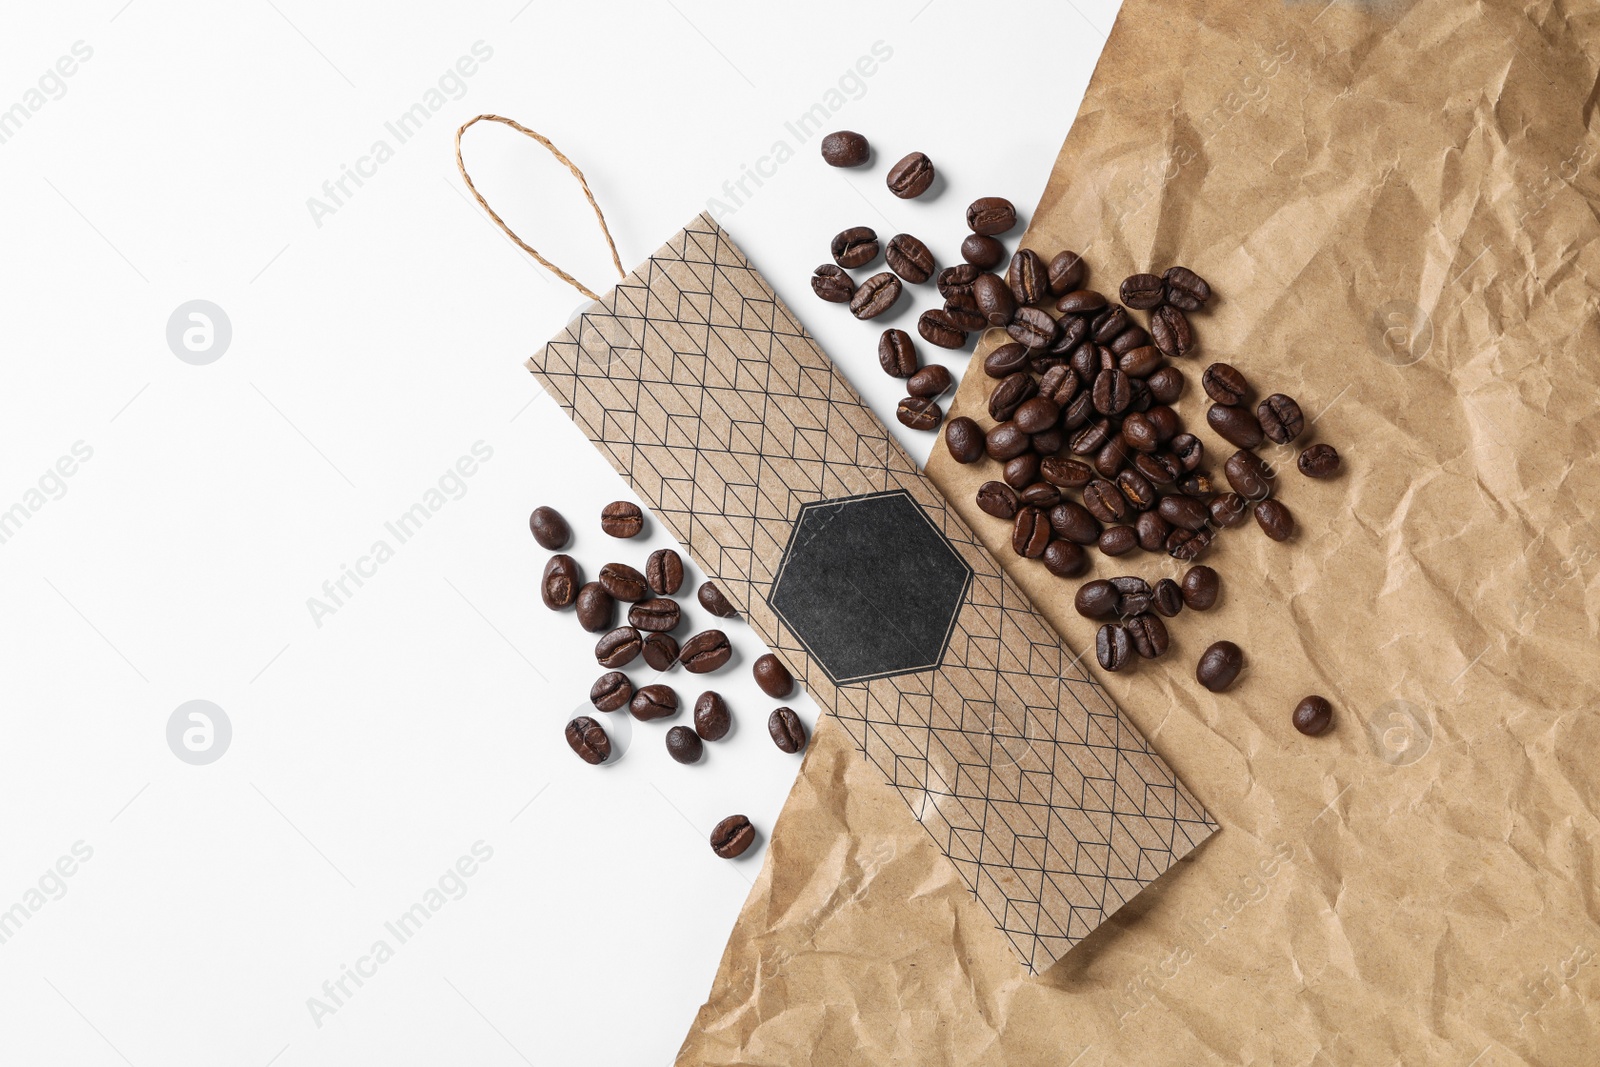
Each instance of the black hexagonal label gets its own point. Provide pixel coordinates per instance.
(870, 586)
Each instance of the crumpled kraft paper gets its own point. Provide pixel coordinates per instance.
(1396, 204)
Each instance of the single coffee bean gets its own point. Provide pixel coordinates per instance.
(1037, 415)
(845, 148)
(1112, 393)
(705, 652)
(1071, 331)
(1066, 473)
(1149, 635)
(919, 413)
(1188, 544)
(622, 518)
(855, 247)
(1129, 339)
(1200, 587)
(997, 499)
(1250, 477)
(909, 257)
(996, 303)
(1133, 604)
(559, 586)
(1067, 271)
(623, 582)
(711, 718)
(732, 836)
(1184, 512)
(1130, 585)
(1006, 360)
(1229, 509)
(1234, 425)
(1105, 501)
(619, 647)
(830, 282)
(1005, 441)
(1112, 647)
(1224, 384)
(1219, 665)
(1167, 597)
(964, 317)
(1065, 559)
(664, 571)
(596, 608)
(1140, 432)
(1161, 468)
(1073, 522)
(683, 745)
(1050, 441)
(1028, 277)
(1060, 384)
(653, 702)
(1319, 461)
(1107, 323)
(1189, 451)
(1091, 438)
(1166, 385)
(1199, 485)
(1274, 520)
(990, 215)
(938, 328)
(712, 600)
(1139, 398)
(896, 354)
(1022, 471)
(911, 177)
(1118, 540)
(1098, 599)
(1153, 531)
(1041, 495)
(1113, 456)
(964, 438)
(955, 283)
(1032, 328)
(611, 691)
(772, 676)
(1186, 289)
(1143, 291)
(1138, 491)
(660, 651)
(1085, 358)
(931, 381)
(1313, 716)
(1030, 533)
(1280, 418)
(656, 615)
(1081, 302)
(1171, 333)
(588, 739)
(549, 528)
(786, 730)
(1007, 396)
(1141, 362)
(875, 296)
(1166, 421)
(982, 252)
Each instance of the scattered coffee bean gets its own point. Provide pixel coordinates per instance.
(1188, 544)
(996, 302)
(919, 413)
(1060, 384)
(1130, 585)
(897, 355)
(623, 582)
(1112, 646)
(909, 257)
(1073, 522)
(588, 739)
(732, 836)
(653, 702)
(1219, 665)
(619, 647)
(683, 745)
(1274, 520)
(1143, 291)
(1167, 597)
(964, 438)
(1066, 273)
(845, 148)
(1224, 384)
(982, 252)
(1189, 451)
(875, 296)
(911, 177)
(1200, 587)
(990, 215)
(660, 651)
(1028, 277)
(664, 571)
(1022, 471)
(1313, 716)
(711, 718)
(1234, 425)
(655, 615)
(1319, 461)
(1280, 418)
(1107, 323)
(611, 691)
(1065, 559)
(1032, 328)
(997, 499)
(1037, 415)
(1148, 635)
(1006, 397)
(1186, 289)
(712, 600)
(772, 676)
(964, 317)
(1229, 509)
(1081, 302)
(1170, 331)
(1249, 475)
(549, 528)
(1141, 362)
(1112, 392)
(1184, 512)
(931, 381)
(622, 518)
(1118, 540)
(1105, 501)
(1005, 441)
(955, 283)
(1066, 473)
(559, 586)
(830, 282)
(786, 729)
(1030, 533)
(1097, 599)
(1161, 468)
(705, 652)
(1199, 485)
(1137, 490)
(596, 608)
(1166, 385)
(855, 247)
(1153, 531)
(1006, 360)
(938, 327)
(1129, 339)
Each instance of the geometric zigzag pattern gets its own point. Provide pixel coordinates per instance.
(709, 397)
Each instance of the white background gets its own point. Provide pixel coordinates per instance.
(369, 353)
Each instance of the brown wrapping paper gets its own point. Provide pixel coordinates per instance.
(1396, 203)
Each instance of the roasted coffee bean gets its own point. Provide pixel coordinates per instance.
(1067, 271)
(1143, 291)
(1129, 339)
(588, 739)
(875, 296)
(964, 438)
(845, 148)
(1139, 398)
(1166, 421)
(1085, 358)
(1037, 415)
(1186, 289)
(786, 730)
(732, 836)
(664, 571)
(963, 317)
(1170, 331)
(990, 215)
(1030, 533)
(1313, 716)
(1161, 468)
(1081, 302)
(658, 615)
(1250, 477)
(711, 718)
(1112, 647)
(1021, 471)
(1140, 432)
(1199, 485)
(938, 328)
(997, 499)
(1111, 392)
(830, 282)
(910, 177)
(1234, 425)
(1049, 442)
(994, 298)
(1229, 509)
(1219, 665)
(772, 676)
(931, 381)
(1133, 604)
(683, 745)
(855, 247)
(1065, 559)
(1224, 384)
(1066, 473)
(1166, 385)
(1140, 362)
(1153, 531)
(1167, 597)
(549, 528)
(1073, 522)
(955, 283)
(1112, 457)
(1148, 634)
(1098, 599)
(1130, 585)
(1107, 324)
(1059, 384)
(596, 608)
(1274, 520)
(1079, 411)
(619, 647)
(1280, 418)
(1188, 450)
(897, 355)
(653, 702)
(1319, 461)
(705, 652)
(623, 582)
(909, 257)
(1188, 544)
(1028, 277)
(1005, 441)
(1006, 360)
(982, 252)
(1071, 331)
(1032, 328)
(919, 413)
(1138, 491)
(660, 651)
(1041, 495)
(1092, 438)
(1118, 540)
(611, 691)
(622, 518)
(1200, 587)
(559, 586)
(712, 600)
(1105, 501)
